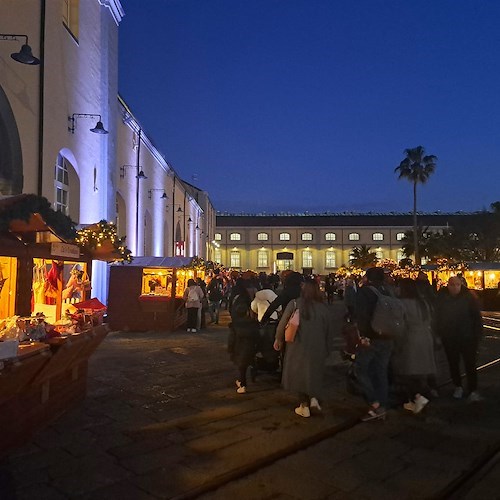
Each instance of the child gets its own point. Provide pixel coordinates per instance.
(242, 343)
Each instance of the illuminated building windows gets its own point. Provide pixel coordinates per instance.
(378, 237)
(217, 255)
(353, 236)
(307, 258)
(330, 259)
(284, 236)
(235, 236)
(235, 258)
(262, 236)
(61, 184)
(400, 236)
(307, 236)
(330, 236)
(379, 254)
(262, 258)
(400, 255)
(218, 237)
(70, 16)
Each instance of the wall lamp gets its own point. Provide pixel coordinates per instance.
(98, 129)
(163, 196)
(25, 55)
(179, 209)
(140, 175)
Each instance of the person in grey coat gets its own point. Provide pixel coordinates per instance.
(305, 357)
(413, 357)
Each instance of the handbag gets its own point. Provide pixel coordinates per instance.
(293, 325)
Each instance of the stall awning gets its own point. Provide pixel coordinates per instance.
(176, 262)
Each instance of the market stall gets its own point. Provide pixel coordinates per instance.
(147, 293)
(48, 325)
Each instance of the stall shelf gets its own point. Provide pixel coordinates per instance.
(147, 293)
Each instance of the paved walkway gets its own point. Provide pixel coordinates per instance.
(163, 420)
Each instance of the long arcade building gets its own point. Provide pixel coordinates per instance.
(317, 244)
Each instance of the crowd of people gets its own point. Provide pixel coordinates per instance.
(390, 369)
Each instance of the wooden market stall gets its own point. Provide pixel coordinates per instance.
(147, 293)
(44, 350)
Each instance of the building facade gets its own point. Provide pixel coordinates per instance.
(317, 244)
(65, 134)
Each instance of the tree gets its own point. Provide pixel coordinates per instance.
(361, 256)
(417, 168)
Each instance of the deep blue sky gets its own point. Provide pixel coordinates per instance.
(308, 105)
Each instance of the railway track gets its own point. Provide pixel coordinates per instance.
(456, 489)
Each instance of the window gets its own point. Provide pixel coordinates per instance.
(70, 16)
(284, 236)
(217, 255)
(61, 183)
(330, 260)
(307, 236)
(377, 237)
(235, 259)
(217, 237)
(330, 236)
(307, 258)
(379, 254)
(262, 258)
(262, 236)
(235, 236)
(353, 236)
(400, 236)
(400, 255)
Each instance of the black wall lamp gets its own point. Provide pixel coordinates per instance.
(98, 129)
(140, 174)
(163, 196)
(24, 56)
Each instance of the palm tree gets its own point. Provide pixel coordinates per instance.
(362, 257)
(417, 168)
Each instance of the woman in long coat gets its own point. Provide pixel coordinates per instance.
(304, 360)
(413, 357)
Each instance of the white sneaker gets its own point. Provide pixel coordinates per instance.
(420, 402)
(188, 330)
(303, 411)
(474, 396)
(193, 330)
(315, 404)
(458, 393)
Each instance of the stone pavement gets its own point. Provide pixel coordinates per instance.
(163, 420)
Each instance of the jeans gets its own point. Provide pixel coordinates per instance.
(372, 364)
(213, 308)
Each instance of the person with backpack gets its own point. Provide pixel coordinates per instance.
(375, 349)
(193, 296)
(215, 293)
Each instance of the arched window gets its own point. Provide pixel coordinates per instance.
(235, 236)
(307, 236)
(377, 237)
(330, 236)
(61, 183)
(284, 236)
(262, 236)
(400, 236)
(353, 236)
(217, 236)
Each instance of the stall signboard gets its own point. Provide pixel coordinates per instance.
(65, 250)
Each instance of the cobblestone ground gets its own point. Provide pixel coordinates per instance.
(162, 420)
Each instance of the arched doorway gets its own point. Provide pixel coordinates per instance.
(11, 160)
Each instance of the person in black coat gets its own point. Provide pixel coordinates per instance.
(243, 342)
(459, 324)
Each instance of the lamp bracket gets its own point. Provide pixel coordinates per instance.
(12, 38)
(74, 116)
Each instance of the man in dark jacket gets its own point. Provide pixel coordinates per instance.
(372, 357)
(459, 324)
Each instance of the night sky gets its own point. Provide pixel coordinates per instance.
(308, 105)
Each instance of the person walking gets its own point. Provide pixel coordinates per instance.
(193, 295)
(374, 352)
(305, 357)
(242, 343)
(459, 325)
(215, 293)
(413, 358)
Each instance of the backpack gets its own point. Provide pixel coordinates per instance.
(193, 295)
(215, 290)
(388, 317)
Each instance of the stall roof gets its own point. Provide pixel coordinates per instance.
(159, 262)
